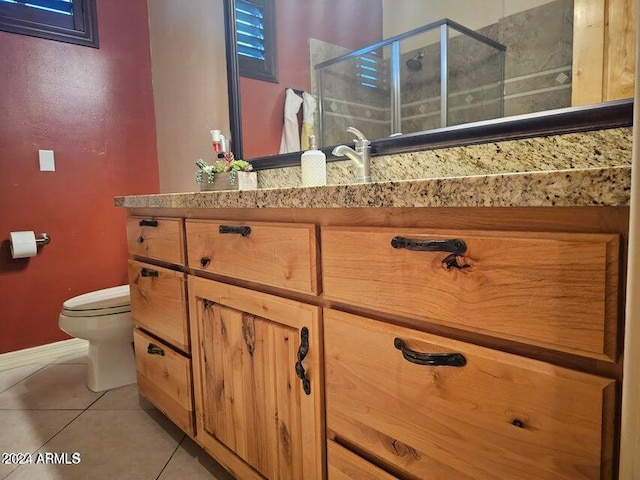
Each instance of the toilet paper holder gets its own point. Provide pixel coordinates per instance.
(43, 239)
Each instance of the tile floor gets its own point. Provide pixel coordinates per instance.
(118, 434)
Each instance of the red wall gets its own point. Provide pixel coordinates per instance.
(335, 21)
(94, 108)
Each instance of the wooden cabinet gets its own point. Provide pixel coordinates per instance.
(164, 378)
(159, 302)
(345, 465)
(247, 348)
(527, 325)
(425, 406)
(156, 238)
(276, 254)
(159, 311)
(550, 289)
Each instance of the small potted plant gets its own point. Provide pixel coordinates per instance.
(227, 174)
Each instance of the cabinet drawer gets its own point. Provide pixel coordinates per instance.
(159, 302)
(549, 289)
(164, 378)
(345, 465)
(156, 238)
(276, 254)
(497, 416)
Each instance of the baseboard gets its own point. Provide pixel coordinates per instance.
(43, 354)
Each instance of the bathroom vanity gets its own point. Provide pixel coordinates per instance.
(465, 327)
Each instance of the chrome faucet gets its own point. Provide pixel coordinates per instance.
(361, 155)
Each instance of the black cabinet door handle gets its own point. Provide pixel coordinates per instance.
(233, 229)
(452, 246)
(303, 351)
(433, 359)
(147, 272)
(204, 261)
(148, 223)
(155, 350)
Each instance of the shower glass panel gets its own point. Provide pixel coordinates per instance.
(420, 85)
(476, 79)
(355, 92)
(434, 76)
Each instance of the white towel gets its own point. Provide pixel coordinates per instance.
(290, 141)
(308, 109)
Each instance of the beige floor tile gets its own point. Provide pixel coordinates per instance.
(192, 462)
(25, 431)
(78, 359)
(54, 387)
(8, 378)
(113, 445)
(123, 398)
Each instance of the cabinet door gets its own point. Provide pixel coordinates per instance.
(159, 303)
(164, 377)
(157, 238)
(424, 406)
(345, 465)
(282, 255)
(249, 399)
(555, 290)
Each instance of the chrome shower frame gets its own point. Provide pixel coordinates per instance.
(395, 63)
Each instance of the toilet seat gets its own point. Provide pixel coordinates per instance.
(109, 301)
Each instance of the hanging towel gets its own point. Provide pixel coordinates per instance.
(308, 109)
(290, 141)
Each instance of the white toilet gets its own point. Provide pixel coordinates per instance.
(103, 318)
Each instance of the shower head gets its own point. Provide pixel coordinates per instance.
(414, 64)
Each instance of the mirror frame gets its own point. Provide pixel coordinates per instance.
(599, 116)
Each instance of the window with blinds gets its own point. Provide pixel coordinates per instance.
(367, 70)
(256, 43)
(71, 21)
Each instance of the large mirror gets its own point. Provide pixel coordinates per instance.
(402, 68)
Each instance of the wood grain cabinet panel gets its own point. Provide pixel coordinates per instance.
(277, 254)
(164, 378)
(156, 238)
(249, 399)
(554, 290)
(496, 416)
(159, 302)
(345, 465)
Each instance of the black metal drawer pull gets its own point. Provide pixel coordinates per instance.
(147, 272)
(155, 350)
(303, 350)
(204, 261)
(433, 359)
(453, 246)
(148, 223)
(238, 230)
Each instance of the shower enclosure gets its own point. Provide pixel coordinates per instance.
(437, 75)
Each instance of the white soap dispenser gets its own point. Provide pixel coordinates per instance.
(314, 165)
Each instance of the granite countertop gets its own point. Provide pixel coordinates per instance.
(609, 186)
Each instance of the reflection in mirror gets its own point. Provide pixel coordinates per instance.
(447, 75)
(405, 92)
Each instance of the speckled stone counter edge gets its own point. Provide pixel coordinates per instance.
(608, 186)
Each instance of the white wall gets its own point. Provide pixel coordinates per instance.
(473, 14)
(189, 71)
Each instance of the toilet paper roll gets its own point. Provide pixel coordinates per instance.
(23, 244)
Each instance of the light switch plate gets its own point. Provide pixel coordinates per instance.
(47, 162)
